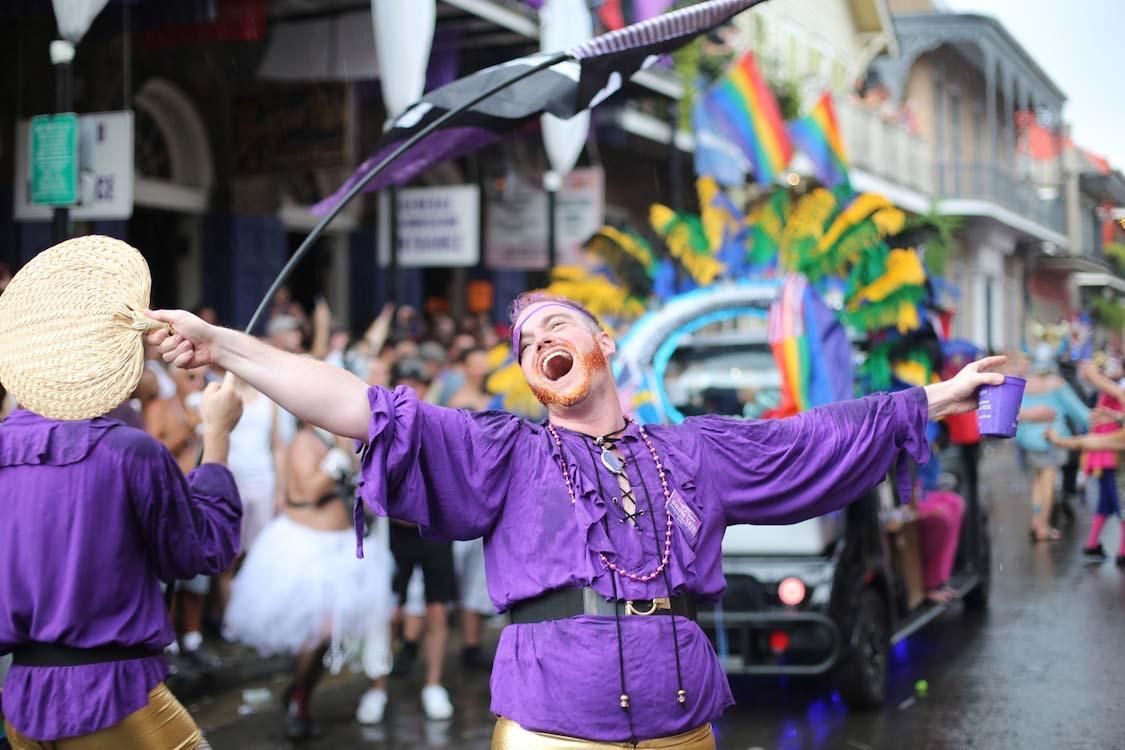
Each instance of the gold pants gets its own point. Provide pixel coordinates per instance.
(509, 735)
(161, 725)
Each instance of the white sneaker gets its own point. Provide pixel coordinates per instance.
(435, 703)
(371, 707)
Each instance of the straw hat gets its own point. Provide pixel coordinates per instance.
(71, 328)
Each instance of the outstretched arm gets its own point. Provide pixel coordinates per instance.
(788, 470)
(445, 470)
(314, 391)
(1090, 373)
(1107, 441)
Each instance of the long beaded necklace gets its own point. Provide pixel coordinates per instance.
(610, 463)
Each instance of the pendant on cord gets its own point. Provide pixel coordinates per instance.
(611, 460)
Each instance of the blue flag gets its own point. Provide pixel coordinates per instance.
(715, 155)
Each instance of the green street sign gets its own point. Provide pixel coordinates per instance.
(54, 159)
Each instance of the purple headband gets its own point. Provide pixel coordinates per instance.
(535, 307)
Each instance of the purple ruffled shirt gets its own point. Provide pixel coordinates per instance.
(460, 475)
(93, 515)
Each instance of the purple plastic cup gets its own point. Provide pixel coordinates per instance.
(998, 407)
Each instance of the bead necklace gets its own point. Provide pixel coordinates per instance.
(640, 578)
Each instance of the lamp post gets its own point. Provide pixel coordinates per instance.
(62, 57)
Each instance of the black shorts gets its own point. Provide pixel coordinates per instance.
(410, 550)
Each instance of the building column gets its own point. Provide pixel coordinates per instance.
(1058, 205)
(1027, 106)
(1002, 163)
(990, 116)
(941, 157)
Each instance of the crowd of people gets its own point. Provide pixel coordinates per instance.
(1070, 424)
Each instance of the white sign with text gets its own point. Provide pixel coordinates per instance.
(105, 169)
(517, 220)
(437, 226)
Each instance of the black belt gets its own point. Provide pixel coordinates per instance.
(563, 603)
(320, 502)
(55, 655)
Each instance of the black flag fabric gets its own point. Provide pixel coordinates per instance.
(581, 78)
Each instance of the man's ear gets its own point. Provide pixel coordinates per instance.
(607, 343)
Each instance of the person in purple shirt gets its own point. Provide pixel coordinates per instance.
(600, 534)
(95, 515)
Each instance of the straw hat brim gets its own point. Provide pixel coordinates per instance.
(71, 328)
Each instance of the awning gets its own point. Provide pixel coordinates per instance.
(328, 48)
(1098, 280)
(1109, 188)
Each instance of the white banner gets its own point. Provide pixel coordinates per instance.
(437, 226)
(564, 24)
(404, 33)
(105, 169)
(517, 220)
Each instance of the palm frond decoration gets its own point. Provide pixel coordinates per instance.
(716, 216)
(687, 243)
(766, 223)
(804, 233)
(596, 292)
(628, 258)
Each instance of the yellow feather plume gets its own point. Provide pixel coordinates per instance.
(904, 268)
(862, 207)
(677, 234)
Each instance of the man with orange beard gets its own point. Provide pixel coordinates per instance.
(601, 535)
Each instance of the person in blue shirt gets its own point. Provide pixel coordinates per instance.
(1049, 404)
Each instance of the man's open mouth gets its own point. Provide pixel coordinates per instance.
(557, 364)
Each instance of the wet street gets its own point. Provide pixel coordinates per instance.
(1041, 669)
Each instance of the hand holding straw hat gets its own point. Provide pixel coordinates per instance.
(71, 327)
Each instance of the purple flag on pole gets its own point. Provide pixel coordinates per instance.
(592, 72)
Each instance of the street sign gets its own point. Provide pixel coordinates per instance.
(105, 170)
(54, 159)
(517, 220)
(437, 226)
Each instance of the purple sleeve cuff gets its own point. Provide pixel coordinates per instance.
(912, 409)
(215, 483)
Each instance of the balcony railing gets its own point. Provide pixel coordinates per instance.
(997, 184)
(885, 148)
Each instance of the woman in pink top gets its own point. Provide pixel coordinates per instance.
(1103, 463)
(1109, 437)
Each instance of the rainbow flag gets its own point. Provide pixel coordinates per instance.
(818, 135)
(746, 110)
(788, 340)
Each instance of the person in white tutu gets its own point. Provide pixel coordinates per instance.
(302, 590)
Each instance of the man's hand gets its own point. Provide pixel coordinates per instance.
(959, 394)
(191, 342)
(221, 407)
